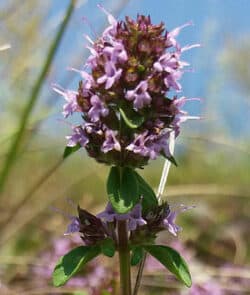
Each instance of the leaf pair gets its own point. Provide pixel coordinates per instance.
(74, 261)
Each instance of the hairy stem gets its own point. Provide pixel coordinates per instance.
(124, 257)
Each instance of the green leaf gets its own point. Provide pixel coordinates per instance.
(171, 159)
(122, 189)
(136, 256)
(149, 198)
(108, 247)
(172, 260)
(70, 150)
(132, 119)
(72, 262)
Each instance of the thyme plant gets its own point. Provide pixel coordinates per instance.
(128, 117)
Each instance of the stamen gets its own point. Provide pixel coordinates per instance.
(111, 19)
(86, 21)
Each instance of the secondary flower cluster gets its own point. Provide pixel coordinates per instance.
(122, 97)
(142, 227)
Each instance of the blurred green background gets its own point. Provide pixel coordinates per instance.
(213, 154)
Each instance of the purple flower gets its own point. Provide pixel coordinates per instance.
(139, 95)
(89, 81)
(138, 145)
(116, 52)
(181, 116)
(169, 220)
(134, 217)
(112, 29)
(93, 58)
(167, 62)
(110, 143)
(150, 145)
(108, 215)
(171, 80)
(161, 144)
(70, 96)
(171, 41)
(111, 75)
(98, 109)
(74, 226)
(78, 136)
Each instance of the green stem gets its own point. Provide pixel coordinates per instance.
(124, 257)
(34, 97)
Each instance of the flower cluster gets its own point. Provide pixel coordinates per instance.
(94, 229)
(122, 97)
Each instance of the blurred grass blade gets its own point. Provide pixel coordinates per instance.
(5, 47)
(34, 97)
(167, 164)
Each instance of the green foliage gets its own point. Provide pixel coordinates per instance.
(108, 247)
(122, 188)
(132, 119)
(70, 150)
(171, 159)
(149, 200)
(137, 255)
(72, 262)
(172, 260)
